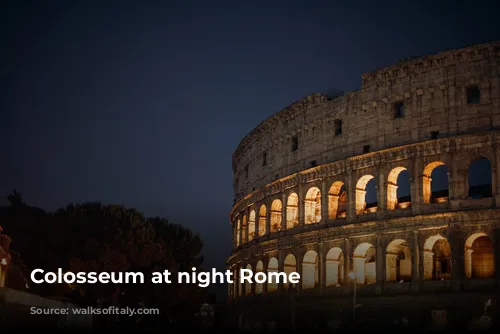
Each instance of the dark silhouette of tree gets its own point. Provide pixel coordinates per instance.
(16, 199)
(92, 237)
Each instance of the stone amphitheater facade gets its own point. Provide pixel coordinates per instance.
(300, 182)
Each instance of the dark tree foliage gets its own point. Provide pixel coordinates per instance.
(92, 237)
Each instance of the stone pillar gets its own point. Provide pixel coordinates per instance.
(324, 201)
(360, 201)
(264, 269)
(496, 236)
(300, 257)
(351, 197)
(333, 206)
(392, 195)
(457, 243)
(382, 189)
(283, 211)
(237, 286)
(347, 262)
(235, 229)
(416, 184)
(380, 266)
(496, 176)
(321, 266)
(247, 226)
(301, 204)
(268, 218)
(416, 278)
(281, 267)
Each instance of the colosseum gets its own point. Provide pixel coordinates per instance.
(386, 200)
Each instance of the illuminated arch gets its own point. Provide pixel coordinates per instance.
(312, 206)
(251, 225)
(310, 270)
(272, 284)
(437, 258)
(290, 266)
(479, 259)
(292, 211)
(365, 264)
(262, 220)
(276, 215)
(398, 261)
(337, 200)
(334, 267)
(361, 204)
(430, 193)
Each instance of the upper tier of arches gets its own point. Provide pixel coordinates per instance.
(438, 96)
(420, 184)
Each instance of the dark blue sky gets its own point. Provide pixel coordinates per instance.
(143, 102)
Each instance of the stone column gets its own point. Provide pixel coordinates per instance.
(283, 211)
(496, 241)
(381, 189)
(264, 269)
(496, 176)
(415, 262)
(268, 218)
(457, 243)
(300, 257)
(380, 266)
(360, 201)
(324, 201)
(281, 267)
(237, 286)
(392, 195)
(416, 185)
(301, 203)
(351, 197)
(347, 263)
(321, 266)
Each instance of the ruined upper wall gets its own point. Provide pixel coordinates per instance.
(432, 88)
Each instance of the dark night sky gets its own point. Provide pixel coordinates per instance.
(143, 103)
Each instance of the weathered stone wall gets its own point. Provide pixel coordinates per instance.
(290, 210)
(432, 88)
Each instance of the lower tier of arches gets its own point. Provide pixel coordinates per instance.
(445, 250)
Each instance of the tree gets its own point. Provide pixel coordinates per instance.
(91, 237)
(16, 199)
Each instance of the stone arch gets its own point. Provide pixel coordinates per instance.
(398, 261)
(479, 257)
(312, 206)
(251, 225)
(244, 229)
(272, 267)
(262, 220)
(480, 178)
(435, 192)
(334, 267)
(397, 180)
(290, 266)
(364, 263)
(292, 210)
(248, 285)
(259, 267)
(309, 270)
(276, 215)
(361, 192)
(238, 232)
(437, 258)
(337, 200)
